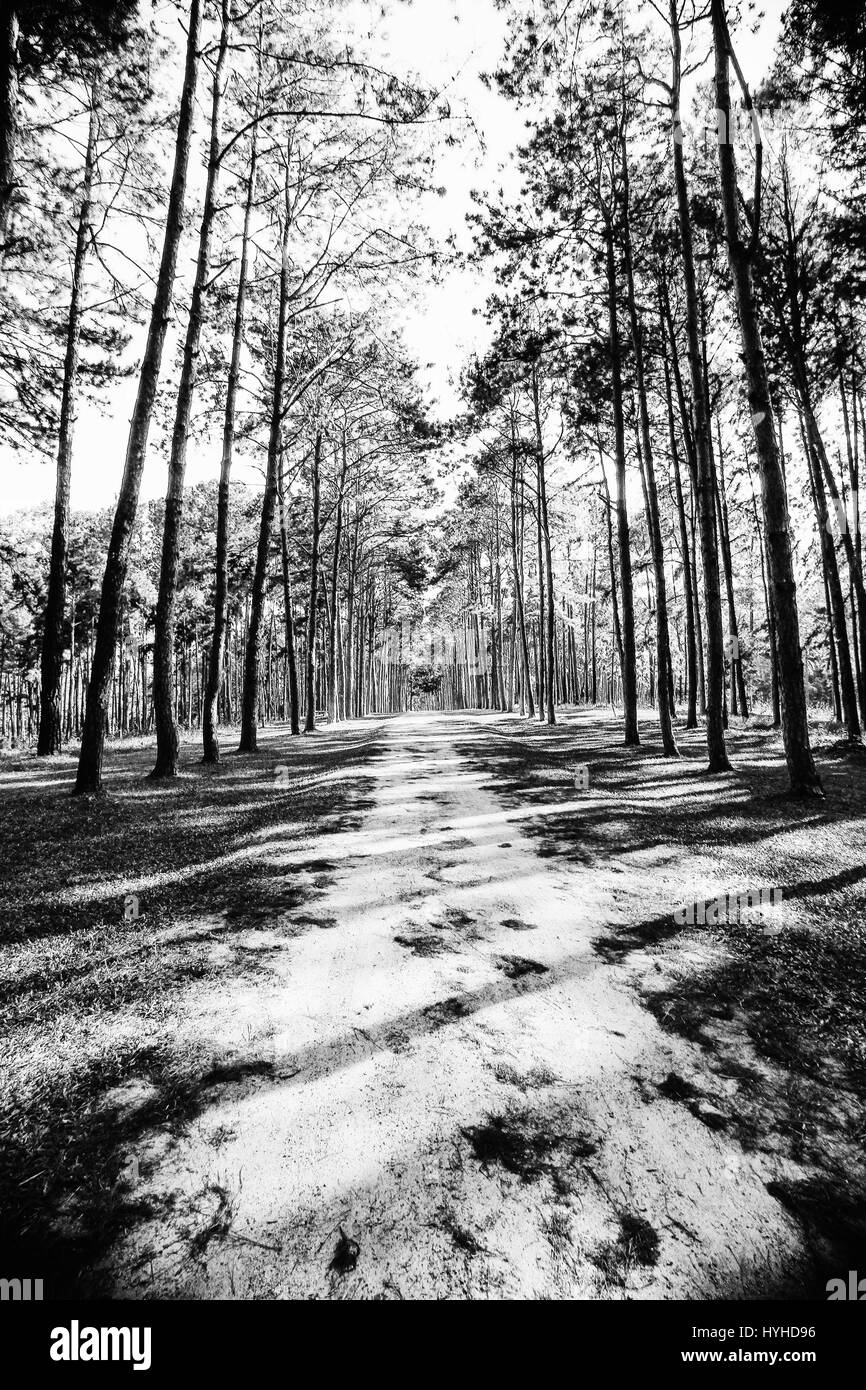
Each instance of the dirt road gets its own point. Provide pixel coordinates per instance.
(440, 1087)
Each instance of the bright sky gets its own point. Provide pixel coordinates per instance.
(448, 43)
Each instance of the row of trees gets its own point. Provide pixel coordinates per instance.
(661, 447)
(310, 158)
(670, 308)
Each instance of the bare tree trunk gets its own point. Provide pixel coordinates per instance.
(518, 575)
(291, 656)
(739, 699)
(549, 663)
(541, 665)
(617, 629)
(663, 649)
(833, 586)
(628, 653)
(851, 548)
(834, 659)
(333, 705)
(689, 595)
(249, 706)
(89, 778)
(215, 668)
(167, 740)
(310, 723)
(795, 727)
(50, 716)
(703, 482)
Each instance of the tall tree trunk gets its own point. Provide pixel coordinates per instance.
(517, 561)
(628, 652)
(803, 775)
(739, 698)
(703, 482)
(549, 664)
(333, 710)
(310, 723)
(689, 594)
(252, 658)
(775, 705)
(291, 655)
(541, 666)
(833, 585)
(89, 778)
(614, 602)
(50, 716)
(167, 740)
(216, 665)
(852, 548)
(663, 648)
(834, 659)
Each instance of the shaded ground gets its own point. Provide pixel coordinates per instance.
(404, 1012)
(776, 1007)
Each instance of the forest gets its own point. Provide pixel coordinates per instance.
(431, 437)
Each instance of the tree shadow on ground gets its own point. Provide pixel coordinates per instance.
(86, 986)
(794, 994)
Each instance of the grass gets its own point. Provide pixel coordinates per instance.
(779, 1014)
(92, 1000)
(637, 1243)
(525, 1145)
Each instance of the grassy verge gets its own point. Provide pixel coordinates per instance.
(116, 913)
(778, 1014)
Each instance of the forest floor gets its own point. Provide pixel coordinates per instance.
(405, 1013)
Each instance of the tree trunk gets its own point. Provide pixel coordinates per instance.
(516, 557)
(291, 656)
(833, 587)
(50, 717)
(89, 778)
(541, 665)
(663, 649)
(167, 740)
(252, 658)
(628, 653)
(617, 628)
(795, 727)
(333, 710)
(310, 723)
(739, 698)
(549, 664)
(216, 666)
(703, 482)
(689, 594)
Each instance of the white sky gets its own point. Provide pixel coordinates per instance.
(447, 43)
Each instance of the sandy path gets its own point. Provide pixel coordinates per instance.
(367, 1068)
